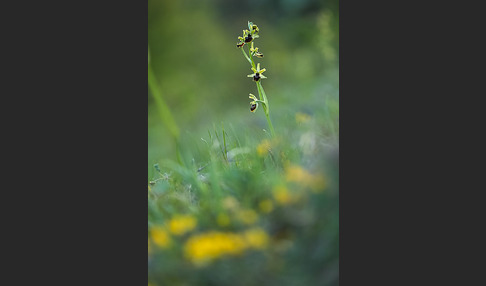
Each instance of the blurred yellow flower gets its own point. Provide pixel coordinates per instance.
(160, 237)
(302, 117)
(262, 148)
(266, 206)
(298, 175)
(256, 238)
(247, 216)
(230, 203)
(202, 248)
(181, 224)
(282, 195)
(223, 219)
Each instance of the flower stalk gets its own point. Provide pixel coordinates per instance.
(248, 37)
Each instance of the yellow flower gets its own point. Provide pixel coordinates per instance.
(247, 216)
(203, 248)
(266, 206)
(302, 117)
(230, 203)
(282, 195)
(223, 219)
(256, 238)
(298, 175)
(160, 237)
(262, 148)
(182, 224)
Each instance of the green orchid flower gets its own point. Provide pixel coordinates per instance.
(254, 103)
(255, 52)
(247, 38)
(257, 73)
(253, 28)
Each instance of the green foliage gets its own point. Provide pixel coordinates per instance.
(286, 188)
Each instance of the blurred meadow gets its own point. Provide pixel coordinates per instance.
(228, 203)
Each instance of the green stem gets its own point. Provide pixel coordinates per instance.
(162, 107)
(260, 88)
(266, 107)
(261, 93)
(251, 57)
(245, 55)
(272, 131)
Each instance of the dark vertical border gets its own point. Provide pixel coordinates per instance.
(374, 172)
(78, 74)
(404, 117)
(116, 105)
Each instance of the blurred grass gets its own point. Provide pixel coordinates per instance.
(297, 176)
(163, 110)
